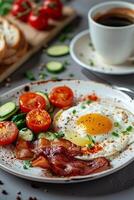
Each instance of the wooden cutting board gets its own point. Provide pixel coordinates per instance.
(36, 39)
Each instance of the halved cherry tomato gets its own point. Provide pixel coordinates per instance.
(23, 150)
(42, 162)
(38, 120)
(29, 101)
(61, 97)
(38, 20)
(53, 8)
(8, 133)
(21, 9)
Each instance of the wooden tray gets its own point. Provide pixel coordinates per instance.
(36, 39)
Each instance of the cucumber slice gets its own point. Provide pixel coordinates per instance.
(7, 108)
(9, 115)
(26, 134)
(54, 67)
(45, 96)
(58, 50)
(20, 120)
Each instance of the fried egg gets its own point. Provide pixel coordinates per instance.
(98, 123)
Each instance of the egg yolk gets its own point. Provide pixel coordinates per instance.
(95, 124)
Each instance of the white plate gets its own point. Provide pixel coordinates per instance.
(15, 167)
(83, 52)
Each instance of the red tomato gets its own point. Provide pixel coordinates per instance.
(38, 120)
(8, 133)
(53, 8)
(38, 20)
(21, 9)
(61, 97)
(29, 101)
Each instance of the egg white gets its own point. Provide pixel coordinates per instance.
(66, 121)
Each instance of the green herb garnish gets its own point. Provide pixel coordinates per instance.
(91, 139)
(27, 164)
(115, 134)
(116, 124)
(83, 107)
(59, 135)
(91, 63)
(42, 75)
(90, 145)
(88, 102)
(30, 75)
(129, 128)
(74, 112)
(71, 75)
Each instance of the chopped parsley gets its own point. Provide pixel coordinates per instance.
(71, 75)
(74, 112)
(91, 139)
(116, 124)
(90, 145)
(27, 164)
(42, 75)
(88, 102)
(59, 134)
(91, 63)
(129, 128)
(90, 44)
(30, 75)
(115, 134)
(83, 107)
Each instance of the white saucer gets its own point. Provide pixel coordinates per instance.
(83, 52)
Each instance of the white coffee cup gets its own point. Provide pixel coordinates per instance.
(115, 45)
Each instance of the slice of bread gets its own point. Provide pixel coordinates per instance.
(20, 52)
(3, 46)
(11, 33)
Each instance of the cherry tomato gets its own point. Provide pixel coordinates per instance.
(21, 9)
(38, 20)
(8, 133)
(53, 8)
(38, 120)
(29, 101)
(61, 97)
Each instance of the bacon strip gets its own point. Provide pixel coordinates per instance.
(62, 162)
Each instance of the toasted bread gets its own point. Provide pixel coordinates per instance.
(11, 32)
(3, 46)
(20, 52)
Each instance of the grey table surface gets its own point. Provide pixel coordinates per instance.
(119, 185)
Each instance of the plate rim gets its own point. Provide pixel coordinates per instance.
(66, 179)
(82, 64)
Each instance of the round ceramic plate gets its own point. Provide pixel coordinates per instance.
(83, 52)
(15, 167)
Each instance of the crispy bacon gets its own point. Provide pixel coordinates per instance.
(59, 157)
(43, 143)
(62, 163)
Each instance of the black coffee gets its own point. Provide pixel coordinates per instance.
(116, 18)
